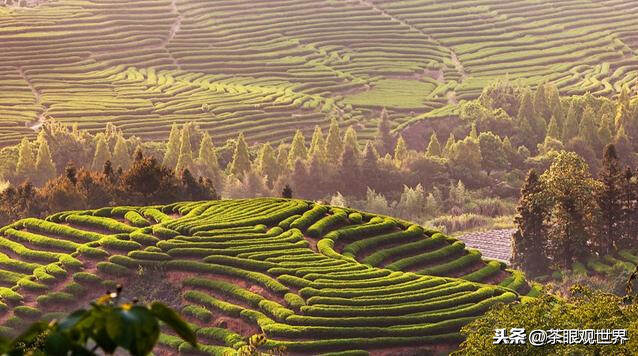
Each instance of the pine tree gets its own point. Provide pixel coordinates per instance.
(541, 102)
(624, 148)
(629, 212)
(286, 192)
(473, 131)
(349, 172)
(172, 148)
(400, 151)
(334, 145)
(318, 144)
(448, 145)
(527, 114)
(241, 158)
(553, 130)
(25, 168)
(267, 163)
(370, 166)
(384, 139)
(609, 202)
(208, 161)
(121, 155)
(530, 239)
(282, 158)
(298, 150)
(44, 167)
(350, 140)
(587, 128)
(570, 128)
(102, 153)
(434, 147)
(185, 160)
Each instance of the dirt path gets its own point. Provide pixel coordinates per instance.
(495, 244)
(35, 125)
(173, 31)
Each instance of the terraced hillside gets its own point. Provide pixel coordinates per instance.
(313, 278)
(269, 67)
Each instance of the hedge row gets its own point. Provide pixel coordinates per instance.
(350, 275)
(376, 258)
(309, 217)
(255, 300)
(490, 269)
(222, 335)
(243, 263)
(228, 309)
(242, 232)
(288, 236)
(100, 222)
(454, 265)
(156, 215)
(397, 298)
(473, 309)
(327, 223)
(60, 230)
(402, 309)
(233, 251)
(352, 249)
(285, 223)
(136, 219)
(325, 246)
(361, 231)
(422, 283)
(427, 257)
(143, 238)
(256, 277)
(40, 240)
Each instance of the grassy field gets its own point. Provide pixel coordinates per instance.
(270, 67)
(314, 278)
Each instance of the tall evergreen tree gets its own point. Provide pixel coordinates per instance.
(474, 132)
(400, 151)
(448, 145)
(185, 159)
(44, 167)
(25, 168)
(434, 147)
(609, 202)
(587, 128)
(298, 150)
(624, 148)
(553, 130)
(541, 102)
(267, 163)
(527, 115)
(349, 173)
(629, 212)
(102, 153)
(318, 144)
(207, 160)
(121, 155)
(530, 239)
(370, 166)
(334, 144)
(350, 140)
(172, 148)
(570, 128)
(241, 158)
(604, 135)
(384, 139)
(282, 158)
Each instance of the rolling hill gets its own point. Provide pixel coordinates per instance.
(314, 278)
(270, 67)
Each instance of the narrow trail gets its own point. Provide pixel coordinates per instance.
(453, 56)
(494, 244)
(172, 32)
(34, 125)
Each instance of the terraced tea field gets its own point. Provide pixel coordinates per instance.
(313, 278)
(270, 67)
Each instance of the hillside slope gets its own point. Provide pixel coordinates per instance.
(270, 67)
(302, 273)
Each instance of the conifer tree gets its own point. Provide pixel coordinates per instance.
(384, 139)
(541, 102)
(400, 151)
(349, 172)
(334, 145)
(267, 163)
(318, 144)
(473, 132)
(553, 130)
(350, 140)
(587, 128)
(609, 201)
(527, 115)
(629, 212)
(434, 147)
(286, 192)
(44, 167)
(282, 158)
(624, 148)
(185, 159)
(448, 145)
(570, 128)
(241, 158)
(530, 239)
(298, 150)
(102, 153)
(369, 166)
(25, 167)
(604, 135)
(121, 155)
(172, 148)
(208, 161)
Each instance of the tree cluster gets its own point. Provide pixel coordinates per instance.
(566, 215)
